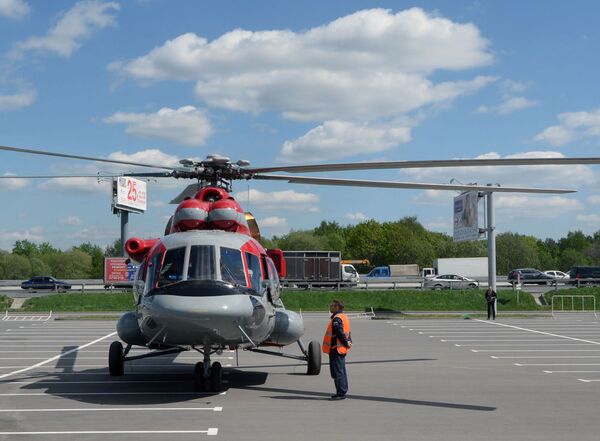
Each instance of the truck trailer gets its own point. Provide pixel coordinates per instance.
(317, 267)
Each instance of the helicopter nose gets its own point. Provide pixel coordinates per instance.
(196, 320)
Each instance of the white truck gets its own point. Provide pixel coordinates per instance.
(472, 267)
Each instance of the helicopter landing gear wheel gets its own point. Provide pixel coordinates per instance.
(216, 377)
(116, 364)
(211, 383)
(199, 377)
(313, 356)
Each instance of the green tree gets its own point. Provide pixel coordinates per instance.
(25, 248)
(14, 266)
(516, 251)
(73, 264)
(97, 255)
(39, 267)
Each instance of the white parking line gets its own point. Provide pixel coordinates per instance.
(73, 394)
(547, 356)
(527, 345)
(535, 350)
(118, 409)
(587, 381)
(60, 382)
(513, 340)
(557, 364)
(538, 332)
(571, 372)
(56, 357)
(210, 432)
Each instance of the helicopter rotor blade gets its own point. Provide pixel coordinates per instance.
(84, 158)
(131, 175)
(406, 185)
(423, 164)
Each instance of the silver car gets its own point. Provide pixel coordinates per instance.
(450, 281)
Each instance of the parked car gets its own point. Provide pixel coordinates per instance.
(530, 275)
(557, 274)
(45, 282)
(450, 281)
(579, 274)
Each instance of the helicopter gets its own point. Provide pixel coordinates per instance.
(207, 284)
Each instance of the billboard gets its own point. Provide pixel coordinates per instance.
(130, 194)
(466, 222)
(118, 272)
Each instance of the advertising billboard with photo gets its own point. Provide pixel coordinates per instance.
(466, 222)
(119, 272)
(131, 194)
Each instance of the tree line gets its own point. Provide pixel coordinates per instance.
(406, 241)
(400, 242)
(27, 259)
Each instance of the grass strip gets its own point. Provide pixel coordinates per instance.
(77, 302)
(407, 300)
(5, 302)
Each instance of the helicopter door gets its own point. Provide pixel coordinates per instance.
(254, 272)
(273, 280)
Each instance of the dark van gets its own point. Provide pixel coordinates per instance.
(583, 274)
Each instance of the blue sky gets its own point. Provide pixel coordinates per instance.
(292, 82)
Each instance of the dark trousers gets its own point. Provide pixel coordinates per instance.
(492, 310)
(337, 367)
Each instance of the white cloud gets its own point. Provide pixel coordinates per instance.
(148, 156)
(439, 225)
(14, 9)
(555, 176)
(274, 225)
(511, 100)
(287, 200)
(95, 233)
(535, 207)
(81, 186)
(338, 139)
(12, 184)
(367, 64)
(508, 105)
(71, 220)
(8, 238)
(69, 32)
(571, 126)
(355, 217)
(589, 218)
(594, 199)
(18, 100)
(187, 125)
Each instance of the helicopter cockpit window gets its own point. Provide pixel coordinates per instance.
(232, 268)
(151, 272)
(172, 267)
(202, 263)
(253, 264)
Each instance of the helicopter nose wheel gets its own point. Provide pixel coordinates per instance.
(208, 377)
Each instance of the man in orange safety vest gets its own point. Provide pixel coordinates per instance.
(336, 343)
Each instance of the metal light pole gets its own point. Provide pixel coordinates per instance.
(491, 238)
(124, 230)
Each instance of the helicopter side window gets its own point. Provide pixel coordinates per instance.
(202, 263)
(172, 267)
(232, 268)
(253, 264)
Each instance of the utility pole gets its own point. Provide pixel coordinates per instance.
(491, 238)
(124, 230)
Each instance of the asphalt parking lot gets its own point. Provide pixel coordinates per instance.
(525, 379)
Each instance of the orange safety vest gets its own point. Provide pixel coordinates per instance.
(341, 349)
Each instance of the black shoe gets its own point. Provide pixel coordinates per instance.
(337, 397)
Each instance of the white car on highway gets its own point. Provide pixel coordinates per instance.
(450, 281)
(557, 274)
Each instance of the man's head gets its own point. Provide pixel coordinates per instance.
(336, 306)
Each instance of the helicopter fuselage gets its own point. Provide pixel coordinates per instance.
(208, 288)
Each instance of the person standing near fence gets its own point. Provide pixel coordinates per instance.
(491, 297)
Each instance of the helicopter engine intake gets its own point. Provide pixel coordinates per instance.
(289, 327)
(129, 330)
